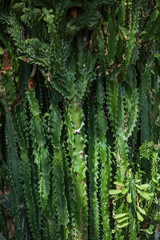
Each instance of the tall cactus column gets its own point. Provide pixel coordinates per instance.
(76, 145)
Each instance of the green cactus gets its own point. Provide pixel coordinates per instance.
(79, 119)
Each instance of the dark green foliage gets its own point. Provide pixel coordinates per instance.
(80, 119)
(93, 172)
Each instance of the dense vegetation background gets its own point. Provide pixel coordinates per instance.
(79, 119)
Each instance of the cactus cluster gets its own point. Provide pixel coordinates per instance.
(80, 119)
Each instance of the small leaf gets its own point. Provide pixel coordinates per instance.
(144, 195)
(143, 186)
(123, 225)
(137, 181)
(21, 57)
(141, 210)
(147, 231)
(125, 190)
(124, 31)
(129, 199)
(121, 215)
(144, 32)
(113, 192)
(155, 180)
(40, 17)
(122, 219)
(151, 194)
(0, 124)
(156, 55)
(141, 199)
(1, 51)
(119, 184)
(140, 217)
(46, 115)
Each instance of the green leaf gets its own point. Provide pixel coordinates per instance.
(124, 32)
(137, 181)
(113, 192)
(1, 51)
(141, 210)
(144, 195)
(143, 186)
(123, 225)
(129, 199)
(119, 184)
(141, 199)
(152, 71)
(46, 115)
(155, 180)
(143, 32)
(52, 16)
(140, 217)
(147, 231)
(21, 57)
(122, 219)
(156, 55)
(125, 190)
(0, 124)
(121, 215)
(151, 194)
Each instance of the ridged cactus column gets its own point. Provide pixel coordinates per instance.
(76, 147)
